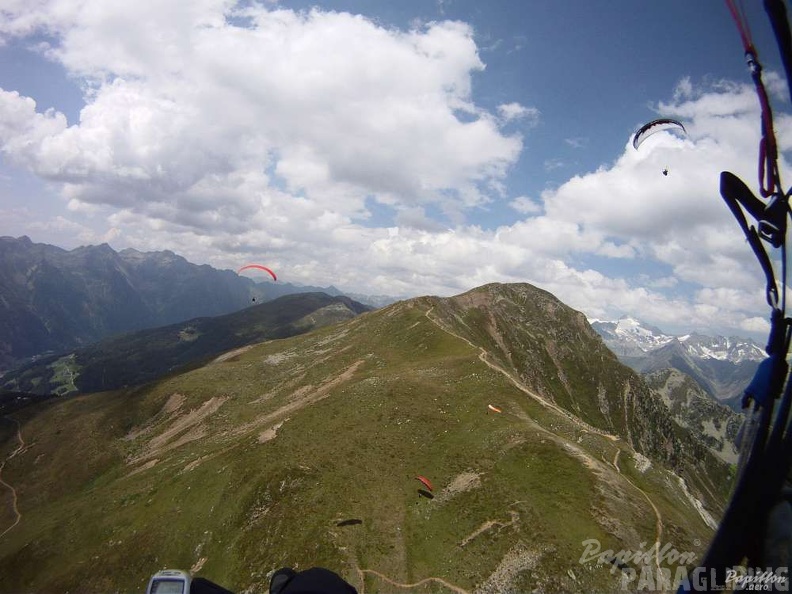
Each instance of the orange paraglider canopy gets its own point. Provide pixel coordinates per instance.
(494, 408)
(258, 267)
(425, 481)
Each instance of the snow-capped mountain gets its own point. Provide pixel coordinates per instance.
(628, 337)
(734, 349)
(721, 366)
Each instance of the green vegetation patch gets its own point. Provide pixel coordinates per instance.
(256, 461)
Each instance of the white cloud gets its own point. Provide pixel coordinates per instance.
(274, 140)
(514, 111)
(525, 205)
(679, 219)
(551, 164)
(684, 90)
(665, 282)
(755, 325)
(577, 142)
(630, 209)
(178, 111)
(23, 130)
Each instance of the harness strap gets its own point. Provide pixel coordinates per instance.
(769, 177)
(735, 193)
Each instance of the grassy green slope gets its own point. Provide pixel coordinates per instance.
(551, 350)
(248, 464)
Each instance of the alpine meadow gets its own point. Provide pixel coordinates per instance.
(262, 458)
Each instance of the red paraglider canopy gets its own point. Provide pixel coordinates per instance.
(259, 267)
(425, 481)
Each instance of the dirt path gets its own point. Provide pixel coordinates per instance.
(574, 419)
(520, 386)
(489, 524)
(658, 522)
(19, 449)
(658, 515)
(305, 396)
(231, 354)
(515, 561)
(385, 578)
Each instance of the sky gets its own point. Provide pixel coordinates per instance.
(420, 147)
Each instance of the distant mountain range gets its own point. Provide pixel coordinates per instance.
(723, 366)
(146, 355)
(54, 300)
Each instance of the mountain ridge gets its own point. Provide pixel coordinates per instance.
(146, 355)
(214, 468)
(54, 300)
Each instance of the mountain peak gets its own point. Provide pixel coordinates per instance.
(371, 387)
(630, 337)
(722, 365)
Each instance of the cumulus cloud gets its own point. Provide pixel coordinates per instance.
(84, 234)
(176, 111)
(678, 220)
(225, 133)
(755, 325)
